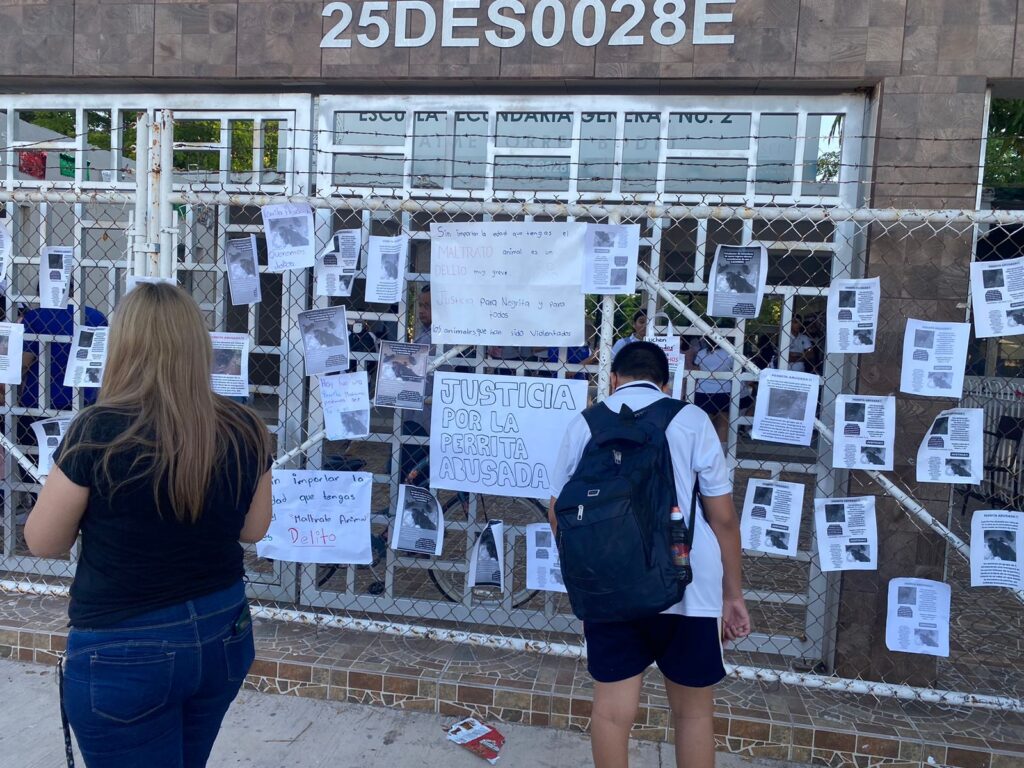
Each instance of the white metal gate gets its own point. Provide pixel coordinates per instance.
(86, 144)
(492, 154)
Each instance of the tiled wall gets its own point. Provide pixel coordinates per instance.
(862, 39)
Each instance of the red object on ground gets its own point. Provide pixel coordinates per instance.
(478, 738)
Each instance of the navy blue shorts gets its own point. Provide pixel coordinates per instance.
(716, 402)
(687, 649)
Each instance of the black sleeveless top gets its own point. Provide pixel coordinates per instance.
(133, 558)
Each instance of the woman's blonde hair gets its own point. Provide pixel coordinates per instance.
(158, 370)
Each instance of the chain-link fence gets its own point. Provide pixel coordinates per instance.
(811, 626)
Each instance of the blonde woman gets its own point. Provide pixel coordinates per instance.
(163, 478)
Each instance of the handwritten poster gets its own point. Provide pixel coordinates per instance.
(499, 435)
(507, 283)
(345, 402)
(290, 240)
(319, 517)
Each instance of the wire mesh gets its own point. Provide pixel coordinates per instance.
(805, 620)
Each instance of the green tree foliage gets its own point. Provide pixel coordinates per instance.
(242, 137)
(1004, 160)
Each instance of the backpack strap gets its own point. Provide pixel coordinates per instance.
(691, 524)
(662, 411)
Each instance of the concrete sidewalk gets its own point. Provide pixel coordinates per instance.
(272, 731)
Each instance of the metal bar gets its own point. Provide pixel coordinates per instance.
(625, 211)
(705, 212)
(904, 499)
(21, 458)
(141, 195)
(168, 258)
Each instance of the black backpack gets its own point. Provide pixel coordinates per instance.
(614, 537)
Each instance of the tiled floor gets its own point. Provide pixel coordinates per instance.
(756, 719)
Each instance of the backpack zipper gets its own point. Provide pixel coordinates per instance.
(579, 513)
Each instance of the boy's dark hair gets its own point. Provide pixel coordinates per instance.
(643, 361)
(638, 314)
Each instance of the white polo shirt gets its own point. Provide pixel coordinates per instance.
(695, 452)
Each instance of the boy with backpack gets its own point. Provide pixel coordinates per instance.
(625, 518)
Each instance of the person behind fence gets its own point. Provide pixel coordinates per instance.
(414, 458)
(713, 395)
(625, 581)
(639, 321)
(163, 478)
(52, 322)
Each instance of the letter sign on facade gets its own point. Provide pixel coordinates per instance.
(588, 23)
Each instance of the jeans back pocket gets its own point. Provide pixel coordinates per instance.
(240, 648)
(127, 688)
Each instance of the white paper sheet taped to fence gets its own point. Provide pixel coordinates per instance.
(12, 346)
(785, 407)
(865, 432)
(997, 293)
(934, 358)
(917, 619)
(324, 340)
(996, 536)
(401, 375)
(487, 557)
(291, 243)
(508, 283)
(336, 266)
(230, 372)
(610, 257)
(49, 433)
(55, 265)
(243, 271)
(952, 450)
(770, 521)
(847, 533)
(319, 517)
(345, 403)
(499, 435)
(852, 315)
(543, 569)
(87, 358)
(419, 522)
(386, 259)
(737, 281)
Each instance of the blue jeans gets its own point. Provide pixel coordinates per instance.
(152, 691)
